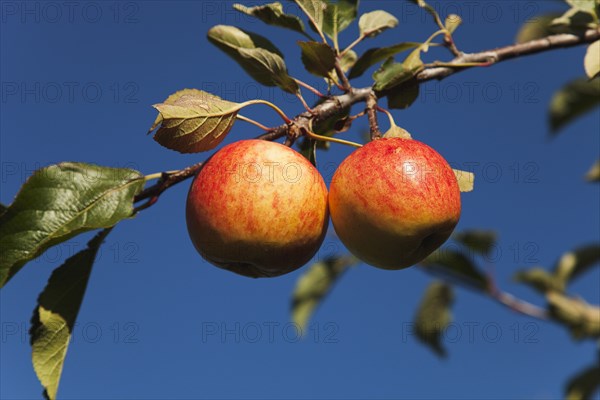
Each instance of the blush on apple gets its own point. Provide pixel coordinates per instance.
(257, 208)
(393, 202)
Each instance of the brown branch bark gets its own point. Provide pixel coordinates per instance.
(335, 103)
(166, 181)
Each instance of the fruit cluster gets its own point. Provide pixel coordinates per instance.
(260, 209)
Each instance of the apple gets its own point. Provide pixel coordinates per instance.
(257, 208)
(393, 202)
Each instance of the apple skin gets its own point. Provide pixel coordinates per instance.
(257, 208)
(393, 202)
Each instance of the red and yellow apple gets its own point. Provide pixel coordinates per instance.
(393, 202)
(257, 208)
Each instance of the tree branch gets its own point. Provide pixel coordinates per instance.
(166, 181)
(335, 103)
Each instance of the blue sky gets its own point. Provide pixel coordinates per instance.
(78, 83)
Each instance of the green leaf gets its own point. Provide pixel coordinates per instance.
(452, 22)
(456, 264)
(539, 279)
(373, 23)
(576, 262)
(272, 14)
(583, 385)
(389, 75)
(465, 179)
(59, 202)
(255, 54)
(403, 98)
(434, 315)
(573, 100)
(192, 120)
(338, 16)
(374, 55)
(318, 58)
(591, 61)
(3, 209)
(536, 28)
(315, 284)
(479, 241)
(582, 319)
(593, 175)
(315, 11)
(56, 312)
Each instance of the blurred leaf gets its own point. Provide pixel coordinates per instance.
(574, 99)
(403, 98)
(255, 54)
(193, 120)
(374, 55)
(592, 60)
(576, 262)
(56, 312)
(59, 202)
(589, 6)
(434, 315)
(308, 148)
(593, 175)
(536, 28)
(272, 14)
(3, 209)
(581, 318)
(457, 265)
(315, 11)
(314, 285)
(373, 23)
(479, 241)
(452, 22)
(583, 385)
(539, 279)
(465, 179)
(348, 60)
(574, 21)
(318, 58)
(338, 16)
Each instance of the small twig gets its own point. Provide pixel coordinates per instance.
(372, 115)
(310, 88)
(450, 45)
(347, 49)
(304, 103)
(518, 305)
(167, 180)
(342, 76)
(503, 298)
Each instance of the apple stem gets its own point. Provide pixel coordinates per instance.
(330, 139)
